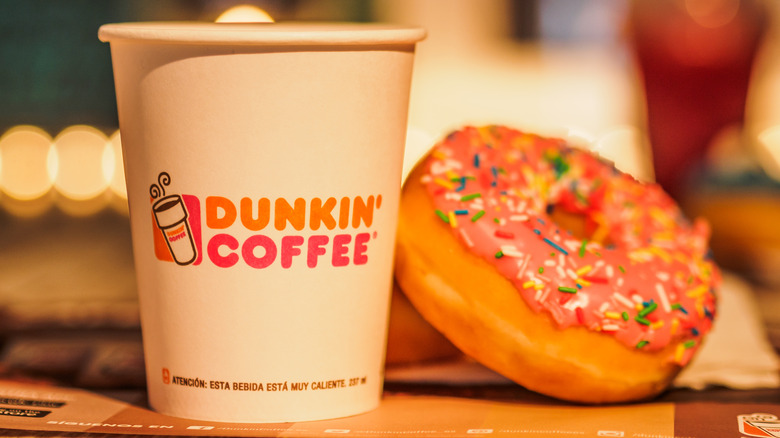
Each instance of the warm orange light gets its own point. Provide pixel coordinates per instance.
(80, 153)
(244, 14)
(25, 151)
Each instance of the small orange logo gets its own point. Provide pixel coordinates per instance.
(173, 238)
(166, 375)
(759, 425)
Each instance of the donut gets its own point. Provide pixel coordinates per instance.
(549, 266)
(411, 339)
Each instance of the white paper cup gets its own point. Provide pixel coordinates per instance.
(263, 166)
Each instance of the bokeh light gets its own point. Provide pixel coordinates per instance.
(244, 14)
(80, 152)
(25, 152)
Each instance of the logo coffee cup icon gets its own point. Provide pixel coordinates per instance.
(171, 217)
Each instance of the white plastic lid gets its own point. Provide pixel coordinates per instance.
(278, 34)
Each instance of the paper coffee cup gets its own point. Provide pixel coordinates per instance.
(263, 166)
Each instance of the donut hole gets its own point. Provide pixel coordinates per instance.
(579, 224)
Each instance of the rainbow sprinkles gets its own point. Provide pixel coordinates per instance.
(640, 273)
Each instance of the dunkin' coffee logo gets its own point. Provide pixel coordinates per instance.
(189, 230)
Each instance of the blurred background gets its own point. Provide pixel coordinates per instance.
(682, 92)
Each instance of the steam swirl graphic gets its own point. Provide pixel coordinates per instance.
(158, 190)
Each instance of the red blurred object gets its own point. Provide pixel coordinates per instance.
(695, 58)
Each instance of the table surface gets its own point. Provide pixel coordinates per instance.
(65, 327)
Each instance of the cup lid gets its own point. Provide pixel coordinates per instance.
(280, 33)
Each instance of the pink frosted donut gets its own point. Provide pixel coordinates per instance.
(553, 268)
